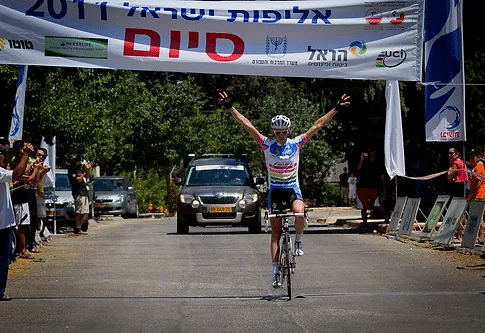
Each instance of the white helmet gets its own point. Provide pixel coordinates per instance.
(280, 122)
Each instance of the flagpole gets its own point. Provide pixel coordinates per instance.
(462, 63)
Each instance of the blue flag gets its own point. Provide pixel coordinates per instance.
(17, 124)
(444, 71)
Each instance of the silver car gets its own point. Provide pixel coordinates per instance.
(114, 196)
(59, 201)
(219, 189)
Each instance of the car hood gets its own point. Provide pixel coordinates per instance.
(62, 197)
(214, 191)
(108, 194)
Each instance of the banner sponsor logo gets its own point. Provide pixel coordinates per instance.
(276, 47)
(72, 47)
(396, 17)
(450, 119)
(328, 58)
(373, 16)
(16, 44)
(390, 59)
(357, 48)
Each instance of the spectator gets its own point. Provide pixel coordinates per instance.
(457, 174)
(20, 200)
(458, 178)
(80, 193)
(370, 182)
(7, 217)
(352, 181)
(477, 183)
(41, 155)
(344, 188)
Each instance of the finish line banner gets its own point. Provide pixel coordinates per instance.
(354, 39)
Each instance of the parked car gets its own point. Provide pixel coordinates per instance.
(59, 201)
(114, 196)
(218, 190)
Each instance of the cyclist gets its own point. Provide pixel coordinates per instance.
(282, 157)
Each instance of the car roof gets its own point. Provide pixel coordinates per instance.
(216, 161)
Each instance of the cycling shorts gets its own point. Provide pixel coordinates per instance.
(281, 199)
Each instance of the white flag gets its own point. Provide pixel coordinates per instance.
(49, 178)
(17, 124)
(393, 142)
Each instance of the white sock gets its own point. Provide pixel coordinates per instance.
(298, 237)
(276, 267)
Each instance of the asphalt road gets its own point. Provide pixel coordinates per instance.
(139, 276)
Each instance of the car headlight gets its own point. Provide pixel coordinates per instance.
(195, 203)
(251, 197)
(185, 198)
(248, 199)
(119, 199)
(69, 204)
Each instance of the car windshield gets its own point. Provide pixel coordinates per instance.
(225, 175)
(62, 183)
(108, 185)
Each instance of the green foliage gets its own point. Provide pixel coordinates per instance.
(330, 195)
(152, 193)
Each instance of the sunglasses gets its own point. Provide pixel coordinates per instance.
(281, 132)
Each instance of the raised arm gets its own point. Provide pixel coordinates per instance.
(322, 121)
(226, 101)
(22, 165)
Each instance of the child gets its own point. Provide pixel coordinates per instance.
(352, 189)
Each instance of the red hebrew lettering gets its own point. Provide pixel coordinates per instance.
(211, 43)
(129, 47)
(174, 44)
(193, 39)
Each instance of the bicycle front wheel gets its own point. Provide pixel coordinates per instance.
(286, 256)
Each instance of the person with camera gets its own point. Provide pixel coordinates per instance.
(23, 199)
(36, 241)
(80, 192)
(7, 215)
(282, 156)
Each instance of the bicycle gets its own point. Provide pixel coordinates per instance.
(287, 254)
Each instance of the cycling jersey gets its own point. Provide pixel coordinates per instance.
(282, 161)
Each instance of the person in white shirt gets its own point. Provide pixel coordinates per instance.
(352, 189)
(7, 218)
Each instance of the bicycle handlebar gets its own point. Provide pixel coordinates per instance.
(286, 214)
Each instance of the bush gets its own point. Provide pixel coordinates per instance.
(331, 195)
(152, 192)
